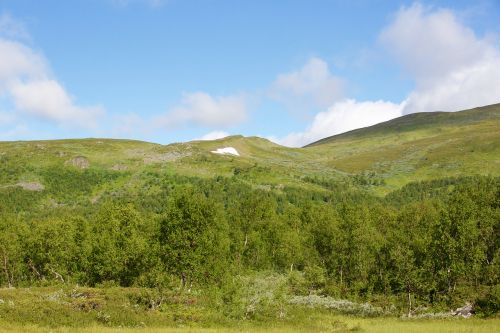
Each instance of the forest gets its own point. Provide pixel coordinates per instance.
(429, 245)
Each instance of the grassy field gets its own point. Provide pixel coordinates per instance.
(77, 309)
(324, 324)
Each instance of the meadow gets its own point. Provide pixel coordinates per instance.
(57, 310)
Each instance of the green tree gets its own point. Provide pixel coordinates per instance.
(119, 246)
(193, 237)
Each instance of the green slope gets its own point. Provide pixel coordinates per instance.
(379, 158)
(419, 146)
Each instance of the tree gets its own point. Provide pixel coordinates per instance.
(119, 246)
(10, 250)
(49, 248)
(193, 237)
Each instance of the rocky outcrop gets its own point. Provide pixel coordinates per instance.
(79, 162)
(31, 186)
(465, 311)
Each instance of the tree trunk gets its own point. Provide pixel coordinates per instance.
(409, 303)
(57, 275)
(33, 268)
(183, 280)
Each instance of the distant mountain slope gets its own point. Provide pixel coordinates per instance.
(379, 158)
(419, 146)
(419, 120)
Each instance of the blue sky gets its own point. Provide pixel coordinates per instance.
(292, 71)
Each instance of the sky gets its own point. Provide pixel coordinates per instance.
(291, 71)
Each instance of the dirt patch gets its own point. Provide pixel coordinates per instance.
(166, 157)
(79, 162)
(31, 186)
(119, 167)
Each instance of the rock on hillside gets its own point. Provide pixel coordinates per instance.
(80, 162)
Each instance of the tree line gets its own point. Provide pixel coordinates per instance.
(431, 242)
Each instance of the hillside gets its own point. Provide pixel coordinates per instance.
(380, 158)
(128, 233)
(418, 146)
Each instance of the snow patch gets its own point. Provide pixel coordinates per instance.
(226, 151)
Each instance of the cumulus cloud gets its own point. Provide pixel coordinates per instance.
(18, 61)
(341, 117)
(214, 135)
(47, 99)
(26, 80)
(202, 109)
(453, 68)
(311, 85)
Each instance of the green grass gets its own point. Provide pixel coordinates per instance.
(76, 309)
(326, 323)
(419, 147)
(415, 147)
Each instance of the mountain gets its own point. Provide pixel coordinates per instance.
(380, 158)
(385, 214)
(419, 146)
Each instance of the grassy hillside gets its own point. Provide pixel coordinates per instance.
(418, 146)
(97, 234)
(379, 159)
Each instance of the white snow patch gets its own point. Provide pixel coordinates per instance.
(226, 151)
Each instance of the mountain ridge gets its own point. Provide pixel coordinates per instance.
(387, 156)
(484, 112)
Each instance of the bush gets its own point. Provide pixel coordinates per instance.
(489, 304)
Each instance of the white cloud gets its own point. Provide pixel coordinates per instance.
(214, 135)
(341, 117)
(202, 109)
(18, 61)
(47, 99)
(312, 85)
(26, 80)
(453, 68)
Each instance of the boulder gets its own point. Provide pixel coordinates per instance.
(80, 162)
(465, 311)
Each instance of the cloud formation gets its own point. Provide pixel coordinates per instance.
(312, 85)
(214, 135)
(453, 69)
(26, 80)
(341, 117)
(205, 110)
